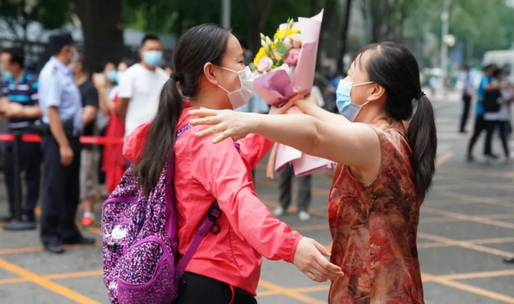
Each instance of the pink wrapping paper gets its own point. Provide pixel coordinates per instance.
(281, 84)
(303, 164)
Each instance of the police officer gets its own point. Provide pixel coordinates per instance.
(61, 106)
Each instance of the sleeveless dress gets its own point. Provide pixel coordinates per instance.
(374, 227)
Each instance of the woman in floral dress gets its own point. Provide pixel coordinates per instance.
(385, 145)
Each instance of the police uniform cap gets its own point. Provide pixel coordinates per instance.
(58, 40)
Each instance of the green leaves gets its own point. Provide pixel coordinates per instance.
(281, 49)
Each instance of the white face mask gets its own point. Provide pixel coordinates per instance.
(240, 97)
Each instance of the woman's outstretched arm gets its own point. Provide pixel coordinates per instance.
(353, 144)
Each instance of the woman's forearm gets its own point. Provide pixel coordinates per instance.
(299, 131)
(326, 116)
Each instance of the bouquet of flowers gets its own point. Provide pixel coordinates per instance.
(284, 67)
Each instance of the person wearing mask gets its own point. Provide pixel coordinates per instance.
(89, 97)
(113, 162)
(497, 114)
(383, 174)
(20, 106)
(140, 86)
(209, 69)
(61, 105)
(467, 95)
(480, 125)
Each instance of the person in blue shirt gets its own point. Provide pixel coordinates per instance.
(61, 106)
(19, 104)
(480, 125)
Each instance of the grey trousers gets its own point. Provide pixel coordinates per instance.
(286, 185)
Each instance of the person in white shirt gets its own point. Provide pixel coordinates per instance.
(141, 86)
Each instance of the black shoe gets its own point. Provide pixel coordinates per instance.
(508, 261)
(470, 158)
(54, 248)
(491, 156)
(79, 241)
(6, 218)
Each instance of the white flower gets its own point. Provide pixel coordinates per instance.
(288, 43)
(297, 40)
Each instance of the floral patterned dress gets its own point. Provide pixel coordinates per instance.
(374, 228)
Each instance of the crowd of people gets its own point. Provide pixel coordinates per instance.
(494, 97)
(62, 103)
(377, 125)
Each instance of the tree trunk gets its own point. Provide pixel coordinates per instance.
(327, 43)
(25, 18)
(258, 12)
(344, 36)
(180, 20)
(102, 25)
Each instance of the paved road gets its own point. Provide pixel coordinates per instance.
(466, 228)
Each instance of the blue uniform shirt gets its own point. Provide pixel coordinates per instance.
(23, 92)
(57, 89)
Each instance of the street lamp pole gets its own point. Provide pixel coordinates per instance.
(445, 18)
(225, 13)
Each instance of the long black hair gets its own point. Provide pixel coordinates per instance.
(198, 46)
(393, 66)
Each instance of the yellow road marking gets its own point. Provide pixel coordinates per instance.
(467, 288)
(57, 276)
(71, 275)
(46, 283)
(12, 281)
(268, 293)
(443, 158)
(465, 244)
(38, 249)
(472, 218)
(478, 275)
(288, 292)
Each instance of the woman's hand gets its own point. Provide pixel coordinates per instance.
(307, 103)
(99, 81)
(229, 123)
(309, 259)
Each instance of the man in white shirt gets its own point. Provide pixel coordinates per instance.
(141, 86)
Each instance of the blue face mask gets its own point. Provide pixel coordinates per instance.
(119, 75)
(344, 102)
(152, 58)
(112, 76)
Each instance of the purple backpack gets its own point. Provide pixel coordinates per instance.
(140, 239)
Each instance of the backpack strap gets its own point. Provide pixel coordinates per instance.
(208, 224)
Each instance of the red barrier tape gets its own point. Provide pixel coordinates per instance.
(88, 140)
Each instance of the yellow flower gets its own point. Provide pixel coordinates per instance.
(284, 33)
(259, 55)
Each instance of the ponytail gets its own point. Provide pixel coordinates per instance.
(393, 66)
(422, 137)
(161, 137)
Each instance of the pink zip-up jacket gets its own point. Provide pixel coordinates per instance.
(205, 171)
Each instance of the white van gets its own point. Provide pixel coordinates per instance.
(503, 59)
